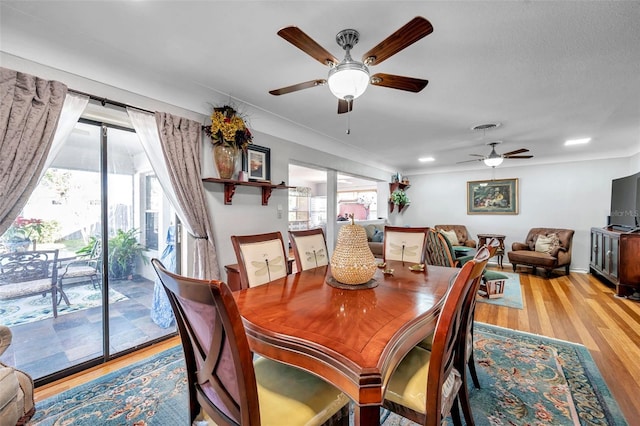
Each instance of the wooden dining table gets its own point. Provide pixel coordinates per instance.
(353, 338)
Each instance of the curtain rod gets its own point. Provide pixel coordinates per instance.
(105, 101)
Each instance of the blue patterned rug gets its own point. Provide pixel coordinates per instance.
(35, 308)
(512, 297)
(526, 379)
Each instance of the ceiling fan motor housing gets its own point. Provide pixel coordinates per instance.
(347, 39)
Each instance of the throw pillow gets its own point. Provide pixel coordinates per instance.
(452, 237)
(547, 244)
(370, 230)
(378, 236)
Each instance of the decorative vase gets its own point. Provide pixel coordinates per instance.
(352, 261)
(225, 157)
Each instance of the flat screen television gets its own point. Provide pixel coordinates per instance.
(625, 203)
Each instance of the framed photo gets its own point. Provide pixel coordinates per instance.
(492, 196)
(256, 161)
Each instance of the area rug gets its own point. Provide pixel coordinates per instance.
(512, 297)
(525, 379)
(35, 308)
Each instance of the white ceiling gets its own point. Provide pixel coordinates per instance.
(546, 70)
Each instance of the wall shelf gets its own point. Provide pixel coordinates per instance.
(393, 186)
(230, 188)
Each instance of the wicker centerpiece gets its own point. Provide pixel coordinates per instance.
(352, 262)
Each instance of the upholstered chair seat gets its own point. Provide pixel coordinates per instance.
(408, 385)
(286, 392)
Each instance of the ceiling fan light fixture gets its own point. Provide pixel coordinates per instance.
(493, 161)
(348, 79)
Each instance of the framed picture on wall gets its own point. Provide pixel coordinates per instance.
(256, 161)
(492, 196)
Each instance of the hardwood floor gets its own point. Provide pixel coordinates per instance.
(578, 308)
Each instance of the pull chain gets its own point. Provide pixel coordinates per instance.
(348, 123)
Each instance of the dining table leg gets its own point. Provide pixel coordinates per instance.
(369, 415)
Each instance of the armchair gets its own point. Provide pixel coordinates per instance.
(547, 248)
(17, 405)
(464, 238)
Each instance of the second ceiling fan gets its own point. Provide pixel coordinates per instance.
(494, 159)
(348, 79)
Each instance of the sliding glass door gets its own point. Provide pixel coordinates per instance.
(100, 208)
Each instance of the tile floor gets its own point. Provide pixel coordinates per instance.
(43, 347)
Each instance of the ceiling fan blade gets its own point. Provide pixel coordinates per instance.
(469, 161)
(518, 156)
(299, 86)
(411, 32)
(477, 155)
(517, 151)
(409, 84)
(299, 39)
(344, 106)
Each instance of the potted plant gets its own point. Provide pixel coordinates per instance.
(399, 198)
(123, 251)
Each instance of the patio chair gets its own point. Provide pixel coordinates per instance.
(83, 267)
(29, 273)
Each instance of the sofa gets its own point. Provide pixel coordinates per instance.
(17, 405)
(462, 235)
(375, 239)
(547, 248)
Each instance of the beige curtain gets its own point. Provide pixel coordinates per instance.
(29, 111)
(181, 141)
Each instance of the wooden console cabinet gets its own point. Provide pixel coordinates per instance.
(615, 255)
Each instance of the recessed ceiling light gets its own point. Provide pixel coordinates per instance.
(576, 141)
(426, 159)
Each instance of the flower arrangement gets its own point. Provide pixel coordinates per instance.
(228, 128)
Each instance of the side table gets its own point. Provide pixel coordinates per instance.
(482, 240)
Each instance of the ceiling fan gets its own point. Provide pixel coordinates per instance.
(349, 79)
(494, 159)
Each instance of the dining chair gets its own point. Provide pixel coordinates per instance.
(309, 248)
(404, 243)
(261, 258)
(470, 303)
(467, 348)
(426, 385)
(225, 380)
(439, 251)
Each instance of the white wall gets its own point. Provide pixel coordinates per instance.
(568, 195)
